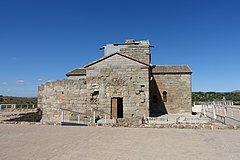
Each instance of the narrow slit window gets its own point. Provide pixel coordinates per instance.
(164, 96)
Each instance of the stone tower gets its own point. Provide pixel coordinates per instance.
(139, 50)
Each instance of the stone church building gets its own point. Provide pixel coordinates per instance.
(122, 84)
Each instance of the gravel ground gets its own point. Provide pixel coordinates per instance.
(42, 142)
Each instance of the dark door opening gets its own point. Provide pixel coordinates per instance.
(117, 107)
(120, 108)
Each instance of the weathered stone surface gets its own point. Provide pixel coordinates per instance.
(178, 91)
(66, 94)
(127, 122)
(132, 86)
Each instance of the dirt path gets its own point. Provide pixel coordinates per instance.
(23, 142)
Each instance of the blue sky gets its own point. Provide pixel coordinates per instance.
(41, 40)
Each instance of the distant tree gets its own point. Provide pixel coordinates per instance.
(216, 96)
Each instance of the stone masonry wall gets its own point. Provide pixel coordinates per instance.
(67, 94)
(178, 88)
(76, 77)
(139, 52)
(119, 76)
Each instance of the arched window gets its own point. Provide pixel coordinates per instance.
(164, 96)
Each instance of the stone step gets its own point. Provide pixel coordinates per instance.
(177, 118)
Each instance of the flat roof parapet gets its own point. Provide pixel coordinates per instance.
(115, 47)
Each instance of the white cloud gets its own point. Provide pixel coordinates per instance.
(20, 81)
(40, 79)
(50, 80)
(4, 83)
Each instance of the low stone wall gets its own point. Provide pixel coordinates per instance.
(66, 94)
(35, 115)
(191, 126)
